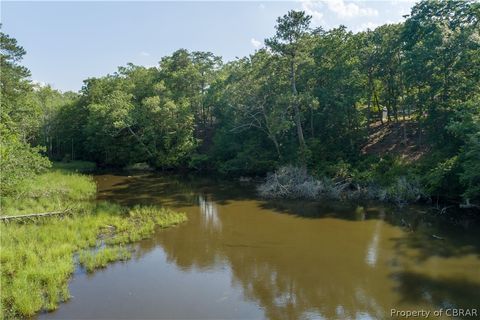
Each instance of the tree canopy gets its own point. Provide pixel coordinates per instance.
(312, 97)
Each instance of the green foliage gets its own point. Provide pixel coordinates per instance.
(18, 115)
(74, 166)
(470, 164)
(199, 161)
(442, 177)
(290, 29)
(14, 88)
(19, 162)
(386, 170)
(95, 259)
(310, 98)
(38, 258)
(50, 191)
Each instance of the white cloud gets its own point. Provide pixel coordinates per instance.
(262, 6)
(312, 8)
(255, 43)
(144, 54)
(349, 10)
(409, 3)
(39, 84)
(340, 8)
(367, 25)
(402, 7)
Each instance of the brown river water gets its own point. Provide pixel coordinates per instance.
(241, 257)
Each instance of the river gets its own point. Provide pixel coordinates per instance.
(240, 257)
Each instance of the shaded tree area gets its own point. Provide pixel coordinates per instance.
(311, 97)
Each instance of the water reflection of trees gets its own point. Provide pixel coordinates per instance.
(457, 292)
(287, 284)
(209, 212)
(307, 274)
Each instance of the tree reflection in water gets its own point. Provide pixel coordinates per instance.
(302, 260)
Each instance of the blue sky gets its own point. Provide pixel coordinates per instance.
(67, 42)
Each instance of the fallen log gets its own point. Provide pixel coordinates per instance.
(33, 215)
(468, 205)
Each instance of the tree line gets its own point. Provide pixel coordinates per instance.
(311, 97)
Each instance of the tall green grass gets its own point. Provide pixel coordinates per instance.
(94, 259)
(75, 166)
(36, 259)
(51, 191)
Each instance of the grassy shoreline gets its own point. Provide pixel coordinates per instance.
(37, 258)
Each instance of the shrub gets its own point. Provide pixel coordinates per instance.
(295, 183)
(18, 162)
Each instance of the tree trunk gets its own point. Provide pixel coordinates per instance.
(375, 99)
(270, 134)
(140, 141)
(73, 154)
(312, 129)
(369, 111)
(298, 120)
(277, 147)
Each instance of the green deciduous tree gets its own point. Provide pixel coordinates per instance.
(19, 118)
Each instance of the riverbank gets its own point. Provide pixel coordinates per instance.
(237, 252)
(38, 257)
(290, 182)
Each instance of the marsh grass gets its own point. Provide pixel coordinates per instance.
(36, 259)
(94, 259)
(51, 191)
(75, 166)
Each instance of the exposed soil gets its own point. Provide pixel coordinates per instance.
(399, 139)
